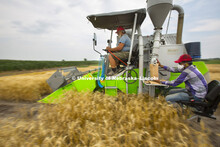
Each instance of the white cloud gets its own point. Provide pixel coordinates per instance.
(182, 2)
(210, 46)
(58, 29)
(206, 25)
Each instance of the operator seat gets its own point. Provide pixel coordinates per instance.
(209, 106)
(134, 57)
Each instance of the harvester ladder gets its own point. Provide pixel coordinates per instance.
(111, 87)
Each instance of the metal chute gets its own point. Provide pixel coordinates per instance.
(64, 76)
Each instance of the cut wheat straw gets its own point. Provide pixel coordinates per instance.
(94, 119)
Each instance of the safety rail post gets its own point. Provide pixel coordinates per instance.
(141, 59)
(131, 47)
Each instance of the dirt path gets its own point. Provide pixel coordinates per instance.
(17, 109)
(212, 126)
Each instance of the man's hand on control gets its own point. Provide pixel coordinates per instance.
(108, 48)
(159, 63)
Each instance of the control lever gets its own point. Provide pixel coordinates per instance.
(162, 73)
(105, 50)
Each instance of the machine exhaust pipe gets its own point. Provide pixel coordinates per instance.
(180, 10)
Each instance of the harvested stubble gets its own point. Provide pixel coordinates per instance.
(214, 70)
(24, 87)
(94, 119)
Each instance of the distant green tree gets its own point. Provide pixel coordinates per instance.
(85, 59)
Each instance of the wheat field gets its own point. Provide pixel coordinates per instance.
(94, 119)
(25, 87)
(28, 86)
(33, 86)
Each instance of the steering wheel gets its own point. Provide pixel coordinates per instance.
(131, 79)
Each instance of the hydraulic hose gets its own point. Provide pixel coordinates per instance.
(103, 72)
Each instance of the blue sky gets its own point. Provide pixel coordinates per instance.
(58, 29)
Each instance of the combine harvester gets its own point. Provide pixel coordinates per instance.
(144, 52)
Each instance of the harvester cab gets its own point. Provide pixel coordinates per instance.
(141, 64)
(130, 20)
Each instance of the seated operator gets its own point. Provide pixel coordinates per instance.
(121, 51)
(196, 84)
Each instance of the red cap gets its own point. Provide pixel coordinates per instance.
(183, 58)
(120, 29)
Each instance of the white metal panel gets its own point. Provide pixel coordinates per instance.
(170, 53)
(170, 38)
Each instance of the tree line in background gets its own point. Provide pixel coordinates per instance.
(19, 65)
